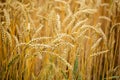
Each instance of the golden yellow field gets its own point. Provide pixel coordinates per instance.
(59, 39)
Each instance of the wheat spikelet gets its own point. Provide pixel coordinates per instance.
(106, 18)
(28, 27)
(17, 42)
(79, 23)
(91, 27)
(115, 25)
(38, 39)
(103, 34)
(9, 38)
(66, 35)
(77, 13)
(99, 53)
(61, 1)
(7, 17)
(89, 11)
(66, 19)
(96, 44)
(37, 31)
(38, 45)
(24, 12)
(82, 33)
(58, 23)
(70, 24)
(61, 36)
(64, 43)
(3, 35)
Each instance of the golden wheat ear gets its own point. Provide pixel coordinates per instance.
(59, 39)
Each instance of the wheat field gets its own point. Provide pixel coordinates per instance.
(59, 39)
